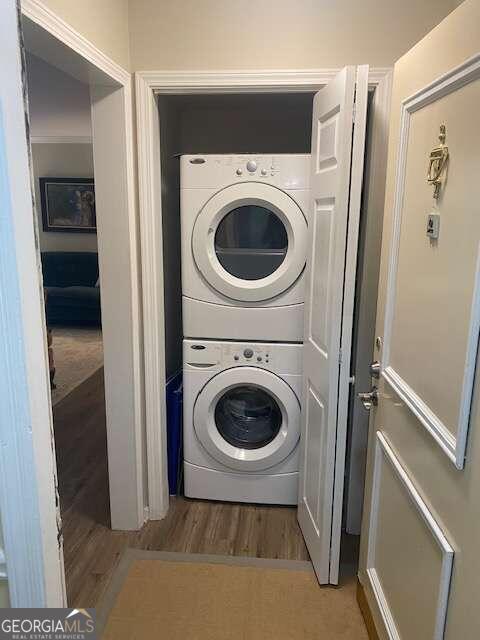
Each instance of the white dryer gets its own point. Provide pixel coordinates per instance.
(241, 421)
(244, 245)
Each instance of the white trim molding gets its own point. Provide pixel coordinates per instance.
(48, 20)
(384, 453)
(148, 144)
(150, 84)
(453, 447)
(271, 81)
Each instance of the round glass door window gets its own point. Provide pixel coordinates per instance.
(247, 417)
(251, 242)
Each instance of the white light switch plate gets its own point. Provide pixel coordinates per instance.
(433, 226)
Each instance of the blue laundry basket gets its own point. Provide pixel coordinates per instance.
(174, 393)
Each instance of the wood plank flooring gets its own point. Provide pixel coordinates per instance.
(92, 549)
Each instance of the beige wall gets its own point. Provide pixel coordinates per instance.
(452, 495)
(271, 34)
(59, 105)
(276, 34)
(62, 161)
(103, 22)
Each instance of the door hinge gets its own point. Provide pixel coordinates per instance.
(354, 112)
(339, 356)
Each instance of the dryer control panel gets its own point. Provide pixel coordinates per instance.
(286, 171)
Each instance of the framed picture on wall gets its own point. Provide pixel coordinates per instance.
(68, 205)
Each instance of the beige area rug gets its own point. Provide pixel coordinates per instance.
(175, 596)
(78, 353)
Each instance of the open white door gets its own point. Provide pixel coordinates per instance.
(336, 183)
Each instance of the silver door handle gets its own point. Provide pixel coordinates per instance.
(369, 399)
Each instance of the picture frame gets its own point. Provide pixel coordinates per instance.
(68, 205)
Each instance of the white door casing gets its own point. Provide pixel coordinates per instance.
(203, 241)
(150, 85)
(247, 459)
(328, 315)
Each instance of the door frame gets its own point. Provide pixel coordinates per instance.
(125, 443)
(148, 86)
(29, 501)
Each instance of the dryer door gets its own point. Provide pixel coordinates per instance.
(247, 418)
(250, 241)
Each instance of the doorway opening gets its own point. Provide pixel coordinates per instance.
(63, 175)
(83, 182)
(201, 125)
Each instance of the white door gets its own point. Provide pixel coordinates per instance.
(336, 182)
(423, 467)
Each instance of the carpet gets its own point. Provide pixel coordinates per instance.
(78, 353)
(155, 594)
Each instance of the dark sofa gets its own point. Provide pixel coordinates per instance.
(69, 279)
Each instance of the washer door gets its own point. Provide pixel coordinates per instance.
(247, 418)
(250, 241)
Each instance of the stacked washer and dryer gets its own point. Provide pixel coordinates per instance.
(244, 245)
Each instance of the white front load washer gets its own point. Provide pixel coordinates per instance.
(241, 420)
(244, 245)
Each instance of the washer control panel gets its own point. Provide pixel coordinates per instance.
(213, 355)
(241, 354)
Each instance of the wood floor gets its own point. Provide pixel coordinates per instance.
(92, 549)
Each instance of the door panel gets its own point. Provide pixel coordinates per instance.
(402, 527)
(432, 313)
(426, 311)
(323, 435)
(315, 437)
(321, 263)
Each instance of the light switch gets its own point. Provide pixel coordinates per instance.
(433, 226)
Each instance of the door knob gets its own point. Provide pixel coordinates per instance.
(369, 399)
